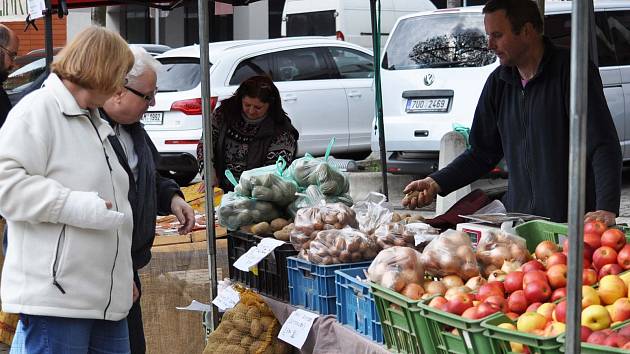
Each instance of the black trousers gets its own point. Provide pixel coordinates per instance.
(134, 322)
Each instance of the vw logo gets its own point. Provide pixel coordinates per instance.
(428, 79)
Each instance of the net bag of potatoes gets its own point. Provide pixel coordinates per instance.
(450, 253)
(310, 221)
(341, 246)
(248, 328)
(403, 234)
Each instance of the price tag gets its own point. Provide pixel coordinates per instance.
(295, 330)
(36, 8)
(254, 255)
(227, 298)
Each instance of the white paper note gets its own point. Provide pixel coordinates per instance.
(227, 298)
(36, 8)
(296, 328)
(254, 255)
(196, 306)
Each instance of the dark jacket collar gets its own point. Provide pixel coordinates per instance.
(511, 75)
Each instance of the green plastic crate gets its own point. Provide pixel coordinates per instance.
(404, 330)
(470, 338)
(536, 231)
(502, 337)
(588, 348)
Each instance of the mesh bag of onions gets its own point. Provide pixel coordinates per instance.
(399, 269)
(450, 253)
(499, 250)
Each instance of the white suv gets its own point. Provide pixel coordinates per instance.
(436, 63)
(326, 88)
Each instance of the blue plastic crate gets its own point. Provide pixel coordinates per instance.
(313, 286)
(355, 303)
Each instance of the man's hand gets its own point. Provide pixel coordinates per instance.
(601, 215)
(136, 293)
(184, 213)
(420, 193)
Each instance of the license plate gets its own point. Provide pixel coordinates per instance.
(153, 118)
(436, 104)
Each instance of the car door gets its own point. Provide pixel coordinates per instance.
(619, 25)
(558, 28)
(314, 100)
(356, 75)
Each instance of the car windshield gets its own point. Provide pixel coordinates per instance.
(438, 41)
(178, 74)
(25, 75)
(320, 23)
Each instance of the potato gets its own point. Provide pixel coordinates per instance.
(278, 224)
(246, 341)
(256, 329)
(242, 325)
(267, 322)
(234, 337)
(282, 235)
(252, 313)
(261, 228)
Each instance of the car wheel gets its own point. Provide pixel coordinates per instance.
(182, 178)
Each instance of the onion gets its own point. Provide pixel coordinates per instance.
(451, 281)
(497, 275)
(510, 266)
(545, 249)
(413, 291)
(519, 253)
(475, 282)
(391, 280)
(450, 293)
(499, 255)
(435, 287)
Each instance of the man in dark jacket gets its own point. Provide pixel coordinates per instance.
(9, 44)
(149, 193)
(523, 115)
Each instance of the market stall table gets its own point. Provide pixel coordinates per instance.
(327, 336)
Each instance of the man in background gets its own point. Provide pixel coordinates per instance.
(9, 43)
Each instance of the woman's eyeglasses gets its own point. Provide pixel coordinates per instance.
(148, 98)
(12, 54)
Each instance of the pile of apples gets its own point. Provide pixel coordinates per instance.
(605, 251)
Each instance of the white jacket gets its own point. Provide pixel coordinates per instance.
(49, 148)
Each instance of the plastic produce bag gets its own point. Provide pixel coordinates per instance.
(403, 234)
(310, 221)
(372, 212)
(309, 170)
(236, 211)
(267, 184)
(450, 253)
(346, 245)
(250, 327)
(397, 267)
(497, 246)
(312, 196)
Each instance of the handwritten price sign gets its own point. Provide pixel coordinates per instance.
(296, 328)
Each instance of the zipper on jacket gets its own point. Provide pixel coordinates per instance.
(526, 152)
(111, 284)
(60, 243)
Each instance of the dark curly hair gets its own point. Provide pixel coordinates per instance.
(518, 12)
(260, 87)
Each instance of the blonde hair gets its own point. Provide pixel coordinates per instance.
(96, 59)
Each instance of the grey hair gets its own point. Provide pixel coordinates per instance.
(143, 61)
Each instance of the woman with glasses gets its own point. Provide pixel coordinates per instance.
(9, 43)
(250, 130)
(68, 267)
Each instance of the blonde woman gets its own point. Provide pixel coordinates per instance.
(68, 269)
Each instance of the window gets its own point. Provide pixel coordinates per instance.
(352, 64)
(619, 24)
(301, 64)
(558, 29)
(178, 74)
(438, 41)
(258, 65)
(320, 23)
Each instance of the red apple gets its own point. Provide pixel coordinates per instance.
(438, 301)
(597, 337)
(596, 227)
(513, 281)
(470, 313)
(486, 309)
(589, 276)
(609, 269)
(498, 301)
(604, 255)
(587, 264)
(593, 240)
(534, 275)
(558, 294)
(615, 340)
(498, 284)
(533, 307)
(614, 238)
(459, 303)
(587, 250)
(532, 265)
(623, 258)
(625, 331)
(545, 249)
(557, 276)
(560, 312)
(537, 291)
(584, 333)
(517, 302)
(487, 290)
(512, 315)
(556, 258)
